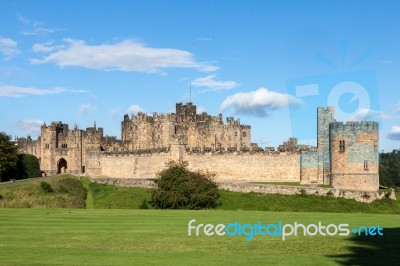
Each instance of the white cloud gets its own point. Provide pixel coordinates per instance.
(30, 126)
(368, 114)
(46, 47)
(15, 91)
(135, 109)
(8, 48)
(394, 133)
(127, 55)
(85, 108)
(34, 27)
(263, 141)
(259, 102)
(114, 112)
(200, 110)
(212, 84)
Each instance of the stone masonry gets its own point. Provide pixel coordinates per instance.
(346, 155)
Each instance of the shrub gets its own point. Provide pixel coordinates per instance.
(30, 165)
(46, 187)
(144, 204)
(179, 188)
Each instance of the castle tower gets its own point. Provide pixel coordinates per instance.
(355, 155)
(324, 118)
(61, 149)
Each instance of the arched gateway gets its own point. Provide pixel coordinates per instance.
(62, 166)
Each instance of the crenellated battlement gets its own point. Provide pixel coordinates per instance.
(346, 155)
(197, 131)
(353, 127)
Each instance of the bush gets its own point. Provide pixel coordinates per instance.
(179, 188)
(27, 166)
(144, 204)
(30, 165)
(46, 187)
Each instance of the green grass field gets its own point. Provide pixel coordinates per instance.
(100, 196)
(159, 237)
(111, 230)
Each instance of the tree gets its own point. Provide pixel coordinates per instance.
(8, 155)
(27, 167)
(179, 188)
(389, 168)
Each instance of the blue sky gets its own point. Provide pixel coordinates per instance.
(269, 63)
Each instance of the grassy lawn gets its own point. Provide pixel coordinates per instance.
(101, 196)
(113, 197)
(308, 203)
(155, 237)
(65, 192)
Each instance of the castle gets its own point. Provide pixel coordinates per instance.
(346, 155)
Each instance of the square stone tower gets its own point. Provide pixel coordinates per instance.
(324, 119)
(355, 155)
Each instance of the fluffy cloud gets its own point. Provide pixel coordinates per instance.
(259, 102)
(8, 48)
(368, 114)
(84, 108)
(200, 110)
(15, 91)
(30, 126)
(394, 133)
(212, 84)
(114, 112)
(134, 109)
(46, 47)
(127, 56)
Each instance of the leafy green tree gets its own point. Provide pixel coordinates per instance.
(8, 156)
(389, 168)
(179, 188)
(28, 166)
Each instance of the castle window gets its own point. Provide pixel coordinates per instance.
(47, 146)
(64, 146)
(366, 165)
(244, 134)
(342, 146)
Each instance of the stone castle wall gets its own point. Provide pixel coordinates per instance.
(346, 155)
(248, 167)
(230, 166)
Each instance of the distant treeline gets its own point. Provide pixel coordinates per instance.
(389, 168)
